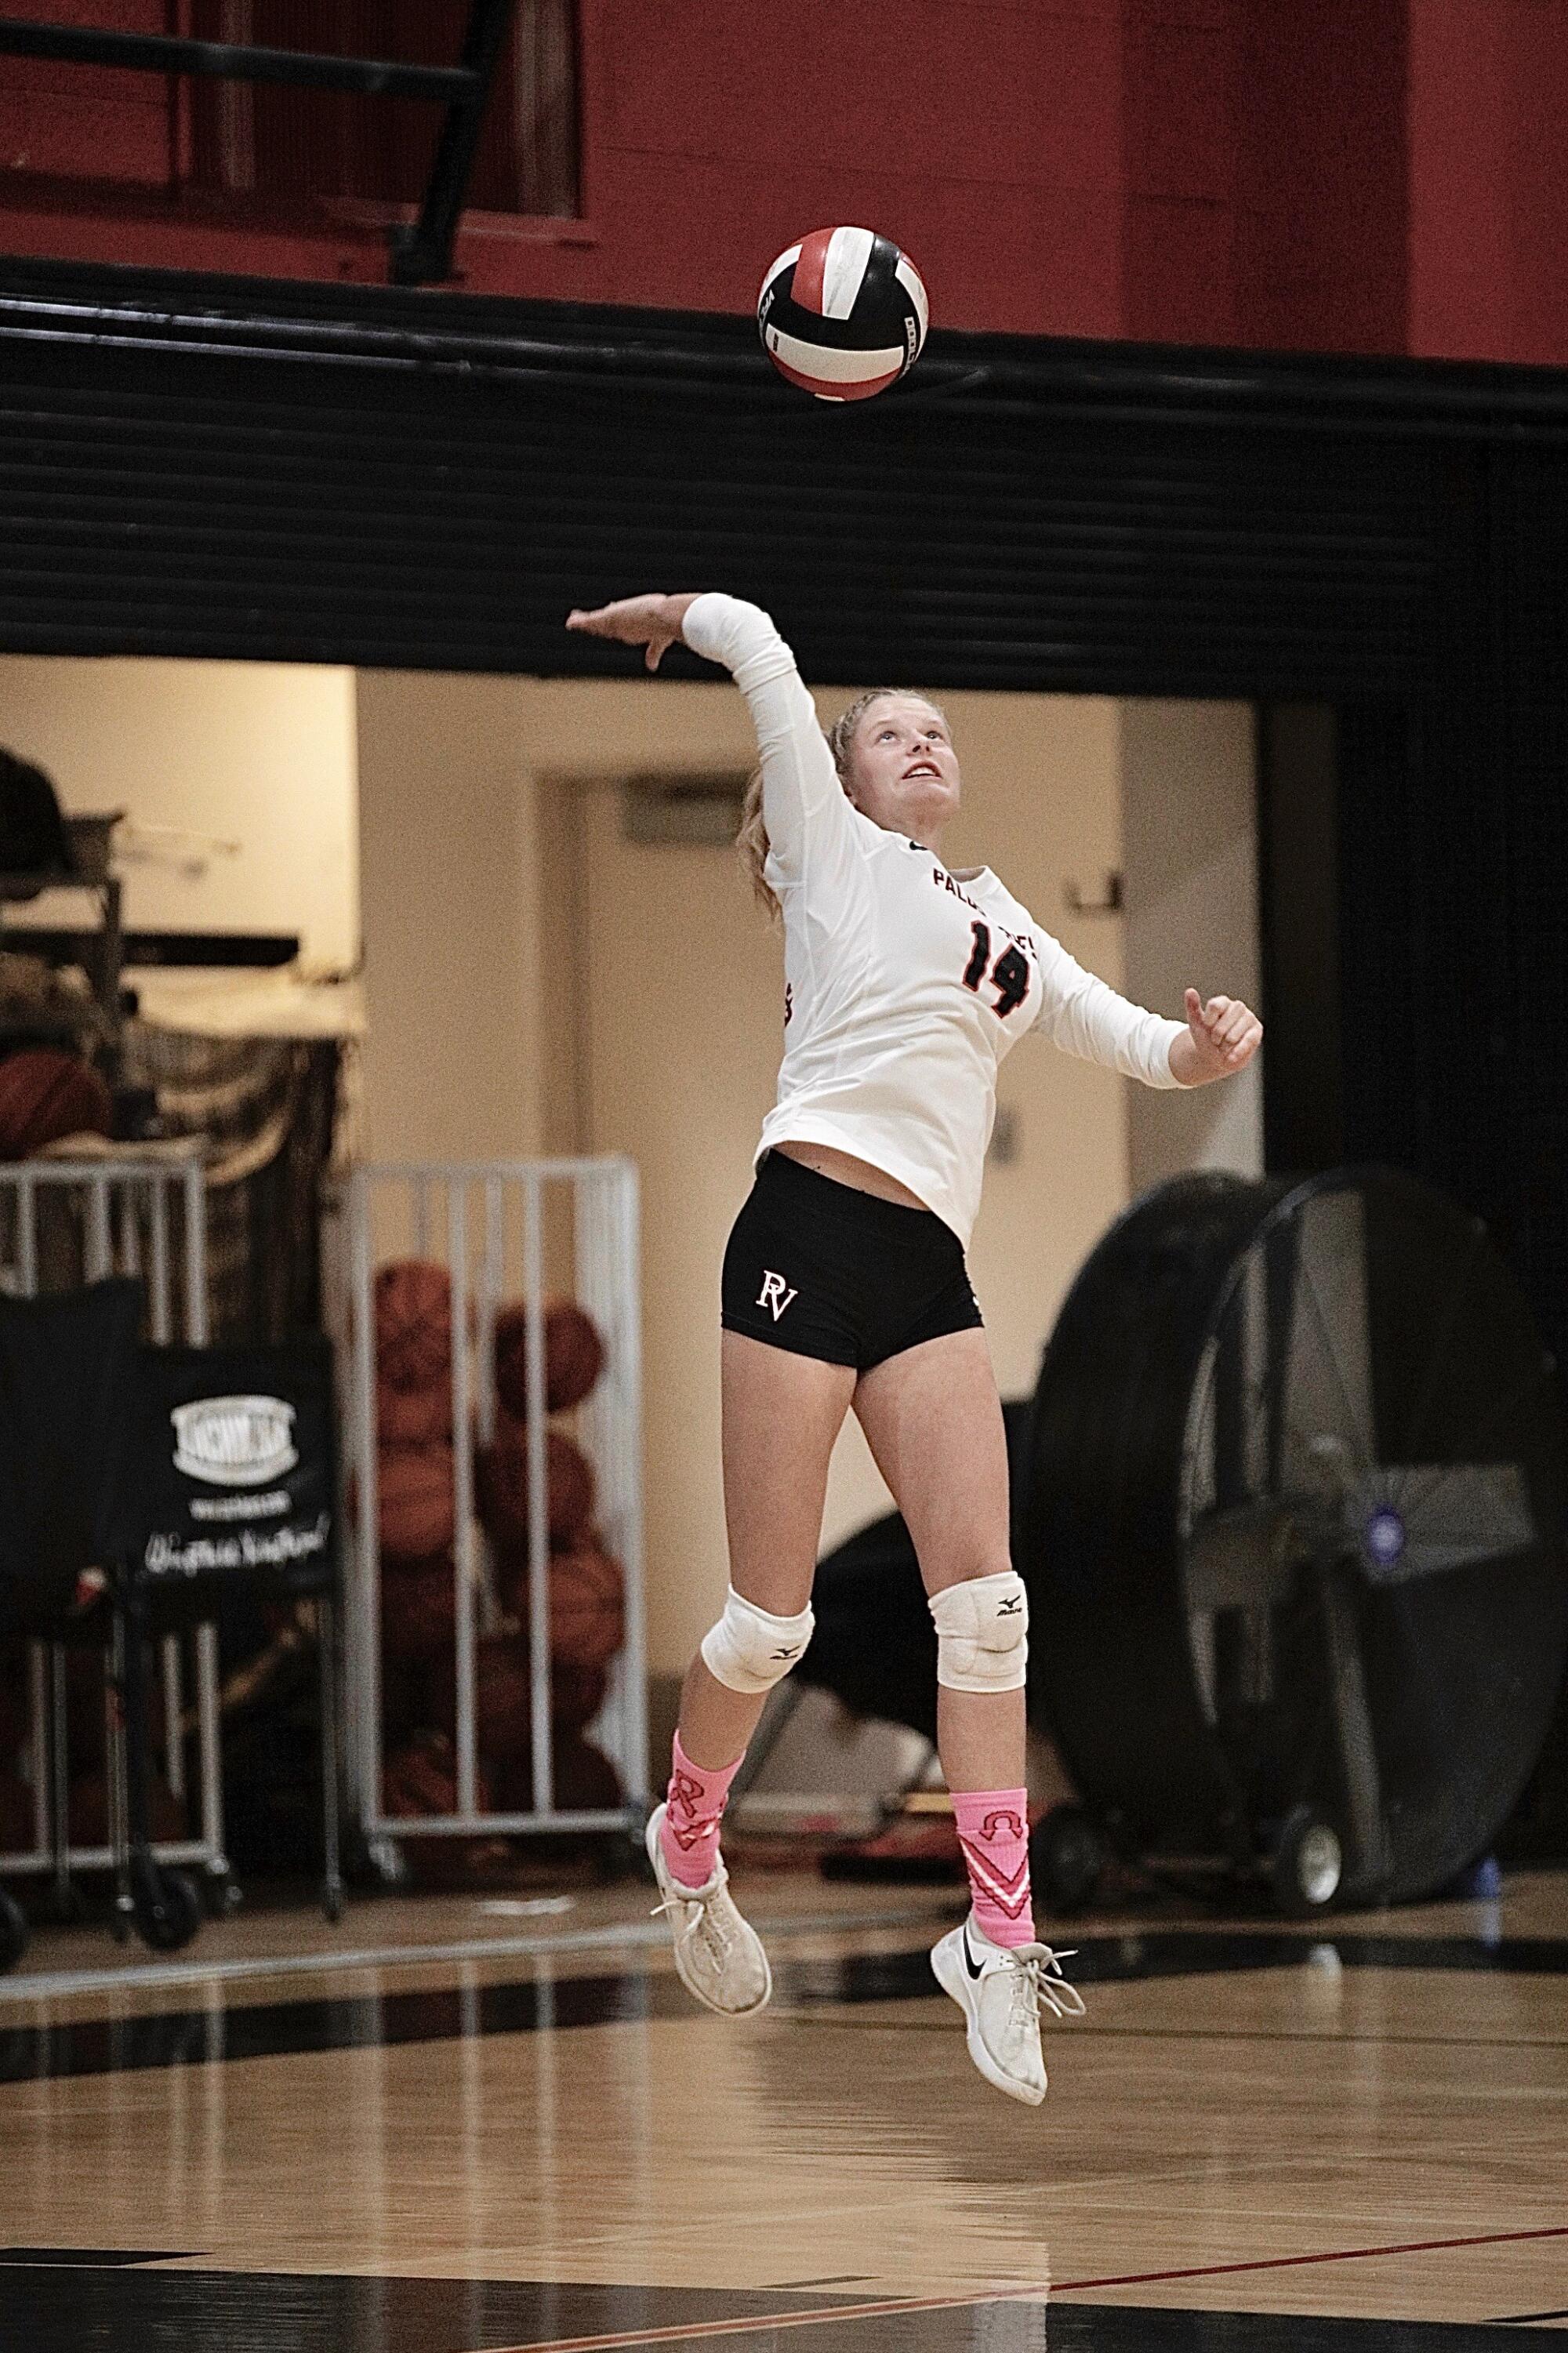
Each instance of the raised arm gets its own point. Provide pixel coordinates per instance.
(810, 823)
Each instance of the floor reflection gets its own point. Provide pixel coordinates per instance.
(68, 2310)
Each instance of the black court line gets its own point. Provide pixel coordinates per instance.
(53, 2310)
(94, 2258)
(541, 2004)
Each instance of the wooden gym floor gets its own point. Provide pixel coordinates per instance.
(445, 2128)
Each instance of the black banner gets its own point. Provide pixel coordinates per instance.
(233, 1473)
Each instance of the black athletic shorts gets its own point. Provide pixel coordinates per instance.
(825, 1270)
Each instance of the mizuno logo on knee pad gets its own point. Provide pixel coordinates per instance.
(749, 1649)
(981, 1633)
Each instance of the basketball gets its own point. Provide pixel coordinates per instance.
(576, 1694)
(45, 1096)
(587, 1594)
(416, 1501)
(584, 1778)
(413, 1416)
(421, 1778)
(503, 1706)
(418, 1607)
(502, 1481)
(573, 1357)
(843, 314)
(413, 1304)
(503, 1695)
(400, 1681)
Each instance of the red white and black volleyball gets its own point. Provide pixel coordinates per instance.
(843, 314)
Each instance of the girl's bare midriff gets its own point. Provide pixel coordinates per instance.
(845, 1169)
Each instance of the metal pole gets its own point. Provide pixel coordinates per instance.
(463, 1478)
(423, 251)
(230, 61)
(365, 1602)
(99, 1255)
(538, 1503)
(209, 1734)
(160, 1315)
(628, 1312)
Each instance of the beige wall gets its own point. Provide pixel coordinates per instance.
(262, 754)
(1190, 854)
(453, 935)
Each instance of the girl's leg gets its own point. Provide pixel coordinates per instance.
(780, 1415)
(934, 1421)
(934, 1424)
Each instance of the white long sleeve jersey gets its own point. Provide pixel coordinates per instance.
(906, 985)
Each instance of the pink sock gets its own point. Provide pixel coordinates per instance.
(994, 1831)
(690, 1834)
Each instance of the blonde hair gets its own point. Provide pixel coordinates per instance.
(751, 840)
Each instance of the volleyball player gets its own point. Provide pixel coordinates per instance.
(845, 1286)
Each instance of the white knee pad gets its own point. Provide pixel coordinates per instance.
(750, 1650)
(981, 1633)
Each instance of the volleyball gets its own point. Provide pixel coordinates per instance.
(843, 314)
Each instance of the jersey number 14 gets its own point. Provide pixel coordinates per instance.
(1009, 976)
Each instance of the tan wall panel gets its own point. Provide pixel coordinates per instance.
(1189, 803)
(452, 932)
(262, 754)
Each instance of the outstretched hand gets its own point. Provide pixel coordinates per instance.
(650, 621)
(1222, 1037)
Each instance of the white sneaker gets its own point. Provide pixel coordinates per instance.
(999, 1990)
(719, 1956)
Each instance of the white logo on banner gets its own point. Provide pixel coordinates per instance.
(235, 1442)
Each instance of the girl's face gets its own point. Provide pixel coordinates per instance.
(903, 770)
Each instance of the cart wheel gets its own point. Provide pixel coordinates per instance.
(1067, 1856)
(221, 1895)
(333, 1900)
(168, 1909)
(1308, 1863)
(13, 1932)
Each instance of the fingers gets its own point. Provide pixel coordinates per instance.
(1225, 1029)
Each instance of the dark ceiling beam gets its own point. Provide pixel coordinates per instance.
(230, 61)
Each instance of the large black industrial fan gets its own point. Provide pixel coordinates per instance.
(1294, 1538)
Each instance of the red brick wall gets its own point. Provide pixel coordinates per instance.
(1383, 175)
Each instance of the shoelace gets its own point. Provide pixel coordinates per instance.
(1038, 1976)
(713, 1930)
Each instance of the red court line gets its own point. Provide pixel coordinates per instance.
(1335, 2255)
(754, 2324)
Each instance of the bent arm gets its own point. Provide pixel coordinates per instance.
(1085, 1015)
(804, 806)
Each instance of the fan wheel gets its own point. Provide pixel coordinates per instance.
(13, 1932)
(1295, 1513)
(1308, 1866)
